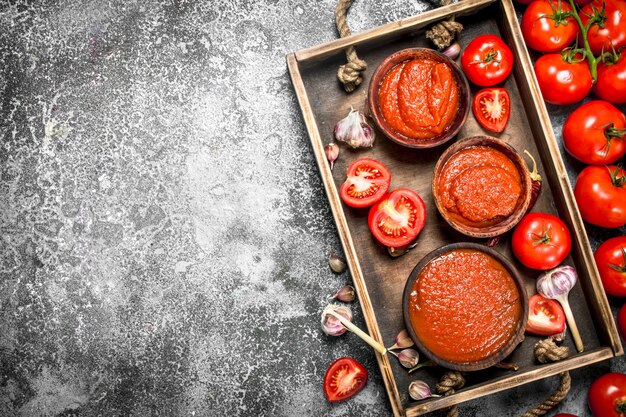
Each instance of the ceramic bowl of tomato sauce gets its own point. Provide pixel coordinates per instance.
(418, 98)
(481, 186)
(465, 306)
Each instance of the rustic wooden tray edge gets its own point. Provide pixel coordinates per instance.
(533, 93)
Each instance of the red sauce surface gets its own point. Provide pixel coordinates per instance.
(480, 186)
(465, 306)
(419, 98)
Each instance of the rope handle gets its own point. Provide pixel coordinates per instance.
(350, 74)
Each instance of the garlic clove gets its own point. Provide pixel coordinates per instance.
(419, 390)
(408, 358)
(347, 294)
(453, 51)
(332, 153)
(403, 340)
(331, 326)
(336, 263)
(354, 130)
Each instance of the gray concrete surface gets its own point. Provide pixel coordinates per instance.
(164, 227)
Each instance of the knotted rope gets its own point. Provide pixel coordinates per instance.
(442, 34)
(350, 73)
(548, 351)
(448, 384)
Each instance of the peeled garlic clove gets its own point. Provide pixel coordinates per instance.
(419, 390)
(408, 358)
(331, 325)
(347, 294)
(332, 153)
(354, 130)
(336, 263)
(403, 340)
(453, 51)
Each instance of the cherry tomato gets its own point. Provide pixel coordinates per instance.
(547, 25)
(343, 379)
(611, 262)
(595, 133)
(398, 218)
(610, 29)
(621, 322)
(611, 82)
(541, 241)
(600, 192)
(545, 317)
(366, 183)
(492, 108)
(607, 395)
(487, 60)
(561, 82)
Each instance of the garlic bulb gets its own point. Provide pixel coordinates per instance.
(354, 130)
(331, 325)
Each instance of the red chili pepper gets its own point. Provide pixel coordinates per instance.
(535, 185)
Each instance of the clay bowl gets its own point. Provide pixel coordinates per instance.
(416, 53)
(515, 332)
(498, 225)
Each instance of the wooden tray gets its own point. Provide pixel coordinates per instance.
(379, 279)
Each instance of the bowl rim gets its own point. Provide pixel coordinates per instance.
(516, 338)
(507, 223)
(404, 55)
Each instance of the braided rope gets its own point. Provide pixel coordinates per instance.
(350, 73)
(448, 384)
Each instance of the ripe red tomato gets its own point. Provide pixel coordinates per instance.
(621, 322)
(398, 218)
(366, 183)
(611, 262)
(343, 379)
(541, 241)
(547, 25)
(561, 82)
(492, 108)
(610, 29)
(487, 60)
(545, 317)
(611, 82)
(565, 415)
(592, 133)
(600, 192)
(607, 395)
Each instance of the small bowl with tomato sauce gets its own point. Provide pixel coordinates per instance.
(418, 97)
(465, 306)
(481, 186)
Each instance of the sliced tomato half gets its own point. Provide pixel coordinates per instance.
(492, 108)
(545, 316)
(398, 218)
(344, 378)
(366, 183)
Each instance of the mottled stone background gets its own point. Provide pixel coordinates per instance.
(164, 226)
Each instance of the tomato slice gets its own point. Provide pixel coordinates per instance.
(366, 183)
(492, 108)
(545, 316)
(344, 378)
(398, 218)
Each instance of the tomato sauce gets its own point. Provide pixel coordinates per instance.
(480, 186)
(464, 306)
(419, 98)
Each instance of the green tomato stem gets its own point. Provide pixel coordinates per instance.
(591, 59)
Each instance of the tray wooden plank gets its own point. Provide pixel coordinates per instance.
(378, 278)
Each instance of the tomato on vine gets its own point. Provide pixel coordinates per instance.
(548, 26)
(607, 25)
(600, 193)
(611, 82)
(610, 260)
(563, 78)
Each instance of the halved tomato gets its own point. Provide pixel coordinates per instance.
(492, 108)
(398, 218)
(366, 183)
(545, 317)
(344, 378)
